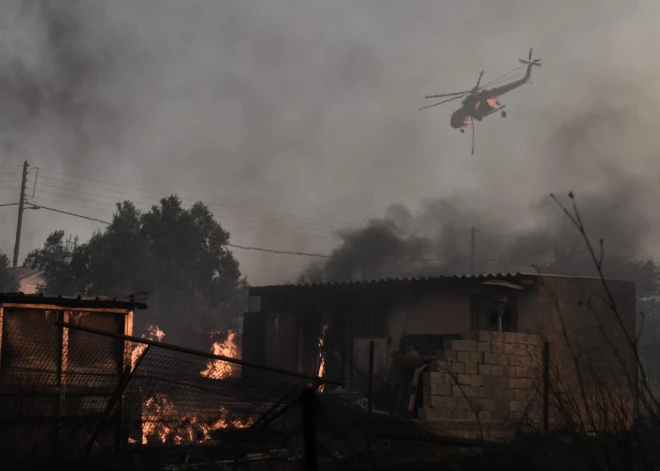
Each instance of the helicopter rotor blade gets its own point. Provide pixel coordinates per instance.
(476, 87)
(442, 102)
(448, 94)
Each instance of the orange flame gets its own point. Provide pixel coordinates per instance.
(154, 333)
(158, 409)
(219, 369)
(321, 371)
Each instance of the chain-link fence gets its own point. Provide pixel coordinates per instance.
(77, 394)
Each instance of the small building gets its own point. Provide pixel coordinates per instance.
(29, 279)
(57, 382)
(328, 327)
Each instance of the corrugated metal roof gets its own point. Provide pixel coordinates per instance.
(397, 281)
(98, 302)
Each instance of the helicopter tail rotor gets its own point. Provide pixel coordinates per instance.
(529, 61)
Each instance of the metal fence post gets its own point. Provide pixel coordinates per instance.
(546, 384)
(309, 428)
(370, 393)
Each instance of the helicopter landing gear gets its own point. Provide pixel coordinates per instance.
(503, 114)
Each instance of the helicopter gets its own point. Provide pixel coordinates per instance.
(481, 102)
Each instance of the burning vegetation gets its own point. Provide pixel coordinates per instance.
(219, 369)
(163, 421)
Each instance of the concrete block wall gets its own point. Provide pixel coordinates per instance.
(486, 378)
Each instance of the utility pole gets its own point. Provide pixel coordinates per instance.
(472, 251)
(21, 206)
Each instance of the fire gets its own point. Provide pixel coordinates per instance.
(158, 411)
(321, 371)
(154, 333)
(219, 369)
(162, 422)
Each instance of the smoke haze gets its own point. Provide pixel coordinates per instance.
(297, 119)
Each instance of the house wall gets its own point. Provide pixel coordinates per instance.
(30, 285)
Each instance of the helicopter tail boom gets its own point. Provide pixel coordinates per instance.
(530, 63)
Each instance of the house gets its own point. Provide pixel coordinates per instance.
(328, 327)
(29, 279)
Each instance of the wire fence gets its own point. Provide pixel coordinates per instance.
(78, 394)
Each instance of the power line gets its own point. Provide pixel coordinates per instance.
(236, 208)
(222, 217)
(260, 249)
(68, 213)
(9, 204)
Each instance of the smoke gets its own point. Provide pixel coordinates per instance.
(309, 108)
(51, 84)
(455, 236)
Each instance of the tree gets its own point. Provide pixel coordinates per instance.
(176, 255)
(8, 281)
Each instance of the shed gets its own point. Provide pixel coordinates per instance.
(54, 391)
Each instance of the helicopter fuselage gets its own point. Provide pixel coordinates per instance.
(474, 107)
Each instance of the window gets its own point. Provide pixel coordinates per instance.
(368, 325)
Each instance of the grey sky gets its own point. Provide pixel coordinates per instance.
(308, 108)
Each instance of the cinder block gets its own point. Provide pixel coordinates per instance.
(509, 371)
(497, 347)
(484, 347)
(463, 379)
(484, 392)
(497, 337)
(511, 349)
(447, 355)
(517, 406)
(510, 337)
(458, 414)
(427, 389)
(497, 370)
(437, 402)
(431, 377)
(516, 360)
(451, 402)
(464, 345)
(522, 372)
(493, 358)
(484, 336)
(485, 369)
(525, 383)
(515, 383)
(520, 394)
(428, 414)
(476, 357)
(463, 403)
(441, 389)
(485, 417)
(462, 357)
(489, 405)
(469, 392)
(457, 367)
(476, 380)
(497, 393)
(472, 368)
(495, 381)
